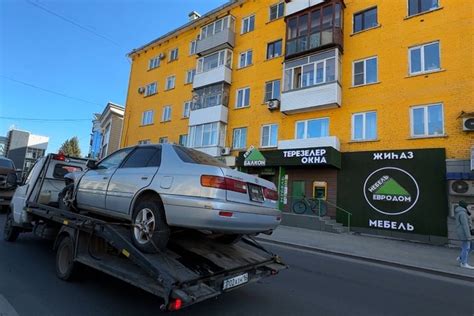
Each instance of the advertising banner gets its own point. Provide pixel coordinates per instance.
(401, 190)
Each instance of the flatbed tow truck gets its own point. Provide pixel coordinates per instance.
(193, 268)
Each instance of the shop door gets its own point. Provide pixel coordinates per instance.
(298, 190)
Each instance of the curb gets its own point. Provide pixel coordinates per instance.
(369, 259)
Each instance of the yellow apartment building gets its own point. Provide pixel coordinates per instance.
(365, 104)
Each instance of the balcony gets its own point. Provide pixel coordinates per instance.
(299, 5)
(311, 98)
(313, 42)
(215, 75)
(223, 39)
(210, 114)
(329, 141)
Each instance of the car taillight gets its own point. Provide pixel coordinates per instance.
(175, 305)
(59, 157)
(270, 194)
(223, 183)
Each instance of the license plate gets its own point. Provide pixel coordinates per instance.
(235, 281)
(256, 193)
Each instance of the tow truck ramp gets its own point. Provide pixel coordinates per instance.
(193, 268)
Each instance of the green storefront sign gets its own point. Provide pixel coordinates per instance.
(402, 190)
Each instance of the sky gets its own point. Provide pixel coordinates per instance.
(62, 61)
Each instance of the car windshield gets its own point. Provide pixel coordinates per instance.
(6, 163)
(194, 156)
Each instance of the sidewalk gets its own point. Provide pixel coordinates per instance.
(415, 256)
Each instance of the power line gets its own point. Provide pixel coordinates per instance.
(42, 119)
(50, 91)
(62, 17)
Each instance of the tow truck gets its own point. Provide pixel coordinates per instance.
(192, 269)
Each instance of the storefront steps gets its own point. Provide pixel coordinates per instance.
(313, 222)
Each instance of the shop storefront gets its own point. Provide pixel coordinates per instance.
(297, 173)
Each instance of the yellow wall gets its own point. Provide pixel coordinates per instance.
(453, 86)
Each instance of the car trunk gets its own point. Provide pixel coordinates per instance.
(254, 193)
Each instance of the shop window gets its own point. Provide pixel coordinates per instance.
(298, 189)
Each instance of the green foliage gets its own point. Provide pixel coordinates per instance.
(71, 147)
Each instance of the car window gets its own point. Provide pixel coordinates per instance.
(140, 158)
(114, 160)
(7, 163)
(30, 172)
(194, 156)
(60, 170)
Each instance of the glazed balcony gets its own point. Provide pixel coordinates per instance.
(220, 40)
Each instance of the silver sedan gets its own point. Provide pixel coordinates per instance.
(158, 186)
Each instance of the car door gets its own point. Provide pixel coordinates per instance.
(135, 173)
(92, 187)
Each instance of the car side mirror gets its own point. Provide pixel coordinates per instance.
(91, 164)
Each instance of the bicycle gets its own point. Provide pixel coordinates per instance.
(317, 206)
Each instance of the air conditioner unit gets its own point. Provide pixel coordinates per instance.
(225, 151)
(161, 56)
(468, 124)
(461, 187)
(273, 104)
(141, 90)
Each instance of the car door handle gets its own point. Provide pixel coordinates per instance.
(144, 178)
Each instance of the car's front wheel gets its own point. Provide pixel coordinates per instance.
(150, 232)
(65, 200)
(10, 231)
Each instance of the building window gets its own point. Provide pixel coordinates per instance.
(163, 140)
(364, 71)
(154, 63)
(364, 126)
(277, 11)
(218, 59)
(166, 114)
(321, 71)
(248, 24)
(420, 6)
(144, 142)
(187, 109)
(204, 135)
(150, 89)
(312, 128)
(269, 135)
(192, 47)
(173, 54)
(272, 90)
(147, 117)
(243, 98)
(183, 140)
(212, 95)
(274, 49)
(427, 120)
(424, 58)
(239, 138)
(190, 76)
(170, 82)
(245, 59)
(365, 19)
(217, 26)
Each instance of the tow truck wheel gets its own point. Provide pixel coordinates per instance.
(150, 232)
(65, 265)
(10, 232)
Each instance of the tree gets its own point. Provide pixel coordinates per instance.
(71, 147)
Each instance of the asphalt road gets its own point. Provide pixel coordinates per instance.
(315, 284)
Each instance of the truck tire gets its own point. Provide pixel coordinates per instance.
(10, 232)
(65, 265)
(150, 232)
(66, 194)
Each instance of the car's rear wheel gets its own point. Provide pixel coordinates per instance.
(150, 232)
(229, 239)
(10, 232)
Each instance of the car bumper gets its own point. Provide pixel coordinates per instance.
(6, 196)
(206, 214)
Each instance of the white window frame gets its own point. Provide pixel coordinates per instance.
(277, 16)
(248, 61)
(163, 140)
(314, 63)
(212, 127)
(189, 76)
(227, 22)
(166, 115)
(364, 60)
(223, 60)
(154, 62)
(234, 138)
(425, 119)
(173, 55)
(242, 29)
(422, 58)
(148, 89)
(245, 92)
(273, 90)
(147, 117)
(192, 47)
(187, 109)
(144, 142)
(186, 142)
(269, 136)
(305, 132)
(364, 126)
(170, 82)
